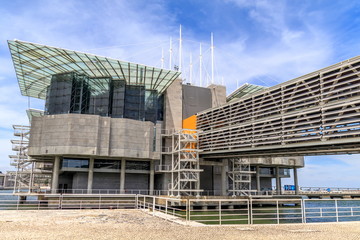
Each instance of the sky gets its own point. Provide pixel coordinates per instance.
(259, 42)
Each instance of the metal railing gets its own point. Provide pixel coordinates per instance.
(58, 203)
(253, 211)
(205, 211)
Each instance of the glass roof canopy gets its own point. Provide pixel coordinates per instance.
(35, 64)
(244, 90)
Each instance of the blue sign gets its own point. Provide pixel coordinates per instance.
(289, 187)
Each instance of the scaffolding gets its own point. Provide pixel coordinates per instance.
(29, 174)
(184, 169)
(240, 177)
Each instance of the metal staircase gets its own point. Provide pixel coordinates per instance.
(184, 168)
(29, 174)
(240, 177)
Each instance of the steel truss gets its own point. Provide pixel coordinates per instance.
(240, 177)
(185, 169)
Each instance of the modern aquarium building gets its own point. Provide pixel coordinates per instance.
(111, 125)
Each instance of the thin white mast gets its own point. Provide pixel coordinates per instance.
(180, 51)
(191, 68)
(200, 65)
(162, 57)
(212, 58)
(170, 52)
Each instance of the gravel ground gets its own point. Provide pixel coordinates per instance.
(135, 224)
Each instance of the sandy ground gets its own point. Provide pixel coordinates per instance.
(135, 224)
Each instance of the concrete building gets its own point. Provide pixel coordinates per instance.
(129, 128)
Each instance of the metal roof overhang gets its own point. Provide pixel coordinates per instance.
(35, 64)
(244, 90)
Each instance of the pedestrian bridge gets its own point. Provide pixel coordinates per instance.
(315, 114)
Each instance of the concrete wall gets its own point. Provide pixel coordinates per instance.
(173, 106)
(218, 93)
(195, 99)
(79, 134)
(106, 181)
(278, 161)
(80, 180)
(136, 181)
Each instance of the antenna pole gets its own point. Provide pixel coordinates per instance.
(191, 68)
(170, 52)
(180, 50)
(200, 65)
(162, 57)
(212, 58)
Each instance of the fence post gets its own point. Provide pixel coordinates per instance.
(337, 212)
(80, 204)
(187, 209)
(137, 201)
(277, 211)
(38, 205)
(220, 211)
(144, 203)
(304, 210)
(251, 212)
(301, 209)
(153, 206)
(166, 206)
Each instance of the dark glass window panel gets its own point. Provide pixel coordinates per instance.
(100, 96)
(75, 163)
(151, 105)
(118, 98)
(137, 165)
(107, 164)
(134, 102)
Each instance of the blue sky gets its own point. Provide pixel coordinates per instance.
(260, 42)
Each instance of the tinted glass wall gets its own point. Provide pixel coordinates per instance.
(77, 93)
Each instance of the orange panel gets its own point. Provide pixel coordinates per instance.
(189, 123)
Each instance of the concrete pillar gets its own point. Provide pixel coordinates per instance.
(224, 177)
(258, 187)
(152, 176)
(122, 176)
(90, 176)
(296, 183)
(55, 175)
(278, 181)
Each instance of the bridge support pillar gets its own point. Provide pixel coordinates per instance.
(278, 181)
(296, 183)
(258, 186)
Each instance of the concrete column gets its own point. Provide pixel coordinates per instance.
(278, 181)
(122, 176)
(296, 183)
(224, 177)
(55, 175)
(90, 176)
(152, 175)
(258, 187)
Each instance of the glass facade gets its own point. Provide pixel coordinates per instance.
(74, 163)
(137, 165)
(78, 93)
(107, 164)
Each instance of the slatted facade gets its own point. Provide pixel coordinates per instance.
(320, 108)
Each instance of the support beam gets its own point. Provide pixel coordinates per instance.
(55, 175)
(224, 177)
(152, 176)
(296, 183)
(90, 176)
(278, 181)
(258, 186)
(122, 176)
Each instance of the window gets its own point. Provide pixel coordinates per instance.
(75, 163)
